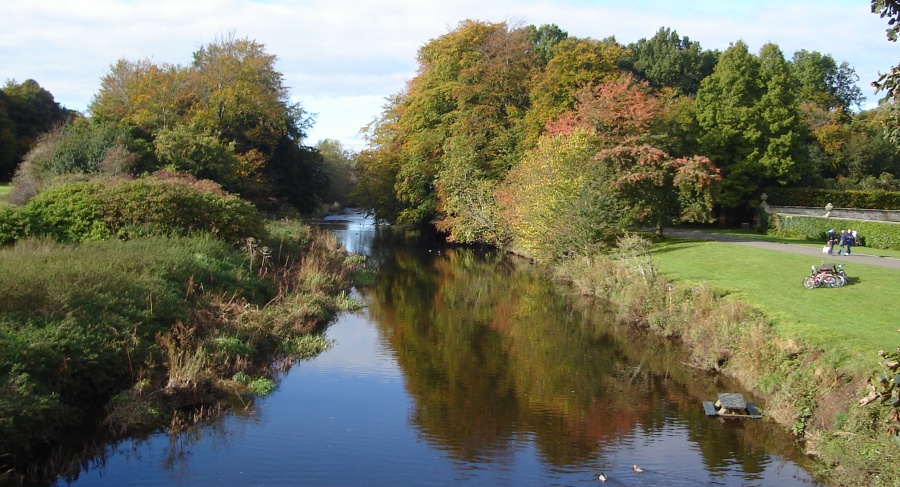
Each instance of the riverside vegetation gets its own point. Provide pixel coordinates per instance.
(520, 137)
(141, 303)
(809, 361)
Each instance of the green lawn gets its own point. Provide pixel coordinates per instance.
(851, 323)
(4, 190)
(795, 241)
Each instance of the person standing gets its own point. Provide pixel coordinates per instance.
(842, 241)
(830, 236)
(849, 240)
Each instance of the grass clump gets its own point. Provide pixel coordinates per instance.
(143, 327)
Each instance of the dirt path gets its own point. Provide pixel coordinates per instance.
(815, 252)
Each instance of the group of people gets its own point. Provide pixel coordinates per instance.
(846, 240)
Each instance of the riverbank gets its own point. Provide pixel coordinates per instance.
(129, 336)
(744, 313)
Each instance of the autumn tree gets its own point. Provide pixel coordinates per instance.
(377, 166)
(889, 83)
(575, 64)
(558, 201)
(458, 123)
(659, 189)
(598, 170)
(654, 186)
(229, 108)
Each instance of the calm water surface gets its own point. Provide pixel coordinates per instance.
(467, 367)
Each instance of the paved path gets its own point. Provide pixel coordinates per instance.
(815, 252)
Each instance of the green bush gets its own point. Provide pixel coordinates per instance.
(162, 204)
(79, 323)
(13, 224)
(877, 235)
(875, 200)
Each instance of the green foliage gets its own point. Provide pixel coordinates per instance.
(81, 149)
(164, 204)
(8, 157)
(13, 224)
(305, 346)
(824, 83)
(260, 386)
(558, 201)
(76, 323)
(151, 325)
(876, 235)
(190, 150)
(889, 82)
(840, 198)
(227, 117)
(747, 111)
(668, 60)
(26, 111)
(469, 206)
(340, 167)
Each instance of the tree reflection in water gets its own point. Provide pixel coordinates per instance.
(492, 351)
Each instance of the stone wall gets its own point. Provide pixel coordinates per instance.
(890, 216)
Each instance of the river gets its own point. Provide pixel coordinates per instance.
(466, 366)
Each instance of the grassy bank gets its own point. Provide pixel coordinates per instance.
(849, 323)
(743, 312)
(148, 332)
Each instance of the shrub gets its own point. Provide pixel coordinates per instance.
(13, 224)
(840, 198)
(162, 205)
(878, 235)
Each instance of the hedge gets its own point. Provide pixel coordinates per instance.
(875, 200)
(878, 235)
(159, 205)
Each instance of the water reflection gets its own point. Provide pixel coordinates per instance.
(466, 366)
(493, 353)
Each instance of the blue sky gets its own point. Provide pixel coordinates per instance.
(342, 58)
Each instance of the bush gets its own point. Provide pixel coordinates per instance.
(840, 198)
(13, 224)
(159, 205)
(878, 235)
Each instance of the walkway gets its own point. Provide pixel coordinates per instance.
(815, 252)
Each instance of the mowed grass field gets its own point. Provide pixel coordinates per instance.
(850, 323)
(4, 190)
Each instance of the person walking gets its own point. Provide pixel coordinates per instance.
(850, 241)
(842, 241)
(830, 242)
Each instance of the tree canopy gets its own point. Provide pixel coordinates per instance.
(227, 116)
(26, 111)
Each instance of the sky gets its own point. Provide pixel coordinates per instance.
(341, 59)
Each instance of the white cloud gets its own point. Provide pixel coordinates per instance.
(342, 58)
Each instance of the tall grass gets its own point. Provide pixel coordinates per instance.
(744, 312)
(149, 325)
